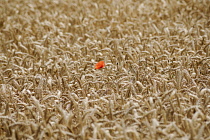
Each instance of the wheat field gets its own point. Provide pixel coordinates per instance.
(155, 84)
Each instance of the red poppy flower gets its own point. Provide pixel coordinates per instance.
(99, 65)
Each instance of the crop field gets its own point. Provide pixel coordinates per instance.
(155, 84)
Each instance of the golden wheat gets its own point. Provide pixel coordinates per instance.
(155, 85)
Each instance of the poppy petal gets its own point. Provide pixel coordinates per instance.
(99, 65)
